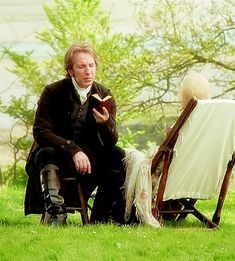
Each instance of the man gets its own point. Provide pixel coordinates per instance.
(72, 138)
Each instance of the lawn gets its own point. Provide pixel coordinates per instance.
(23, 238)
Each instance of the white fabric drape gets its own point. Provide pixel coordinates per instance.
(202, 151)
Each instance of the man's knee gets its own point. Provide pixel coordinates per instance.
(44, 156)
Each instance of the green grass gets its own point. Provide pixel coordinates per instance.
(23, 238)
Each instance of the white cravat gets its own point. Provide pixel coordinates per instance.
(82, 92)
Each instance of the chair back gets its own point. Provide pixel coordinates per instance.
(205, 145)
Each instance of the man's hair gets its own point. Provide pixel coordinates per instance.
(194, 86)
(78, 48)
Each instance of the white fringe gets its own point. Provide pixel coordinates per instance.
(138, 187)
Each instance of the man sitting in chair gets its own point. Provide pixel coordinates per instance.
(140, 185)
(73, 137)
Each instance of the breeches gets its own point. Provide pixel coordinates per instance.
(107, 172)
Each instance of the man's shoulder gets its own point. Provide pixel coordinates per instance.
(59, 85)
(101, 88)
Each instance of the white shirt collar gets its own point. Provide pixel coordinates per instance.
(81, 91)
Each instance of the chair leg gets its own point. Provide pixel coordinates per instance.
(223, 190)
(84, 210)
(200, 216)
(184, 215)
(42, 218)
(83, 207)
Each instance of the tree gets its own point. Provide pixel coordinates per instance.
(143, 69)
(71, 21)
(185, 35)
(74, 21)
(177, 37)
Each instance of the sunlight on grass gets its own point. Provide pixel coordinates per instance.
(23, 238)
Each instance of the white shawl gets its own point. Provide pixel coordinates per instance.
(138, 187)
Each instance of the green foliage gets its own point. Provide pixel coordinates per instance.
(27, 70)
(77, 21)
(85, 21)
(143, 69)
(71, 21)
(127, 140)
(154, 60)
(7, 177)
(187, 35)
(24, 144)
(17, 110)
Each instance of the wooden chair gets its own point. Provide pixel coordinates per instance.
(74, 203)
(198, 158)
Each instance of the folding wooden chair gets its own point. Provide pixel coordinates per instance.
(198, 158)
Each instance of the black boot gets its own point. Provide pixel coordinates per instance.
(101, 206)
(54, 201)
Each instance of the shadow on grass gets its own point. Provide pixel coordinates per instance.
(16, 221)
(191, 223)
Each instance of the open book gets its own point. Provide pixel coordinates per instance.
(99, 102)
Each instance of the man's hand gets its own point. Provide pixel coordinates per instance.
(101, 118)
(82, 163)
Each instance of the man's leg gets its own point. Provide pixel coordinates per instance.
(46, 160)
(109, 201)
(87, 181)
(117, 175)
(102, 205)
(117, 194)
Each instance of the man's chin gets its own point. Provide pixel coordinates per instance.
(88, 83)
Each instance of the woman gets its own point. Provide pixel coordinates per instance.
(140, 185)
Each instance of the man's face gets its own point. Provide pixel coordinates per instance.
(84, 69)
